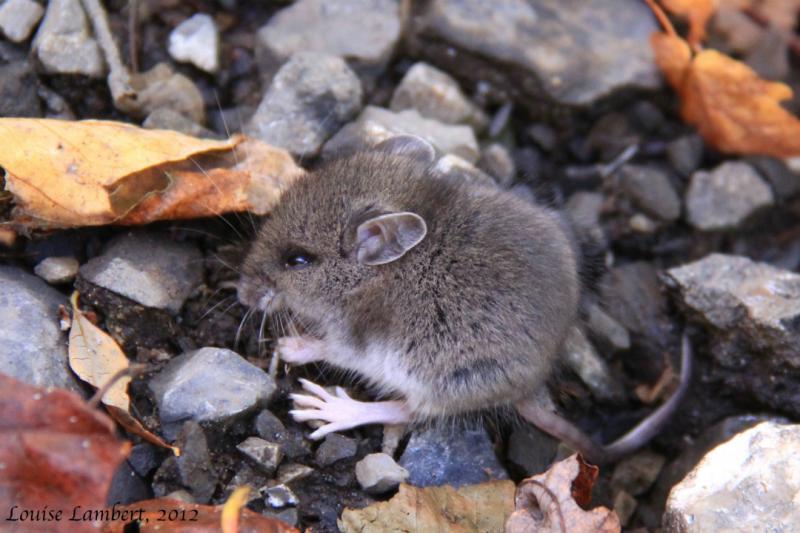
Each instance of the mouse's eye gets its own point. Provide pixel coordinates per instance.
(298, 260)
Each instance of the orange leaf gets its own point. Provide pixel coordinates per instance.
(733, 109)
(67, 174)
(697, 12)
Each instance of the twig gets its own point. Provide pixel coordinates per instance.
(133, 34)
(119, 79)
(133, 370)
(662, 17)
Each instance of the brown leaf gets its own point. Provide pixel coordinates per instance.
(733, 109)
(175, 516)
(697, 12)
(547, 502)
(473, 508)
(55, 452)
(67, 174)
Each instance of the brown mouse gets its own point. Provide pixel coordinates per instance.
(449, 297)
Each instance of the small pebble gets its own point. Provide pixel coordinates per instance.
(264, 454)
(55, 270)
(196, 41)
(378, 472)
(293, 472)
(280, 496)
(18, 18)
(334, 448)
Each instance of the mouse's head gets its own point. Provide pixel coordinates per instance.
(334, 228)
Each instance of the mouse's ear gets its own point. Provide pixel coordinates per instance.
(410, 146)
(385, 238)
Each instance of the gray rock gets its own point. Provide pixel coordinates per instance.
(288, 473)
(496, 160)
(754, 478)
(334, 448)
(143, 459)
(725, 197)
(279, 496)
(376, 124)
(165, 118)
(641, 223)
(571, 52)
(192, 470)
(289, 515)
(265, 455)
(784, 181)
(624, 505)
(451, 456)
(208, 385)
(18, 18)
(612, 334)
(310, 98)
(531, 449)
(637, 473)
(435, 94)
(17, 97)
(735, 29)
(770, 57)
(754, 300)
(363, 32)
(150, 269)
(543, 135)
(580, 355)
(196, 41)
(32, 346)
(56, 270)
(651, 190)
(269, 427)
(685, 154)
(251, 476)
(378, 472)
(64, 44)
(584, 209)
(161, 87)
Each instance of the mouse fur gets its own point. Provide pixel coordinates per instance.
(472, 318)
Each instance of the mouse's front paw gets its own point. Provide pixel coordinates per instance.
(341, 412)
(299, 350)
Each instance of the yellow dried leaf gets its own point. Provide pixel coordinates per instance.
(473, 508)
(95, 357)
(67, 174)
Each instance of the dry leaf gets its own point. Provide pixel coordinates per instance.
(175, 516)
(56, 453)
(229, 521)
(67, 174)
(733, 109)
(96, 357)
(698, 12)
(473, 508)
(551, 502)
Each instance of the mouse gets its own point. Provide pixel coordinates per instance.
(445, 297)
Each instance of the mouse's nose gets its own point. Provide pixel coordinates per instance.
(253, 295)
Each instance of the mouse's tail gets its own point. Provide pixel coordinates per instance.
(551, 422)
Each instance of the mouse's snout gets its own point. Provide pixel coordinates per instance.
(253, 295)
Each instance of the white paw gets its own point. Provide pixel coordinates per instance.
(340, 412)
(299, 350)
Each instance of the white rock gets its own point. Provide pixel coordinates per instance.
(196, 41)
(750, 483)
(18, 18)
(378, 472)
(57, 269)
(63, 43)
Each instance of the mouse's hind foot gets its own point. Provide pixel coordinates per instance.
(340, 412)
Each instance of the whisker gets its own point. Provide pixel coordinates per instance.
(219, 303)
